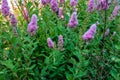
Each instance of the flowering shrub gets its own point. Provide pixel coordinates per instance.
(60, 40)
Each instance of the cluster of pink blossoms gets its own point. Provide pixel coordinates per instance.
(50, 43)
(13, 20)
(54, 5)
(90, 33)
(73, 22)
(106, 32)
(73, 2)
(100, 5)
(91, 5)
(5, 8)
(60, 42)
(60, 13)
(115, 12)
(32, 26)
(25, 13)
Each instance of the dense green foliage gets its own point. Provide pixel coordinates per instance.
(26, 57)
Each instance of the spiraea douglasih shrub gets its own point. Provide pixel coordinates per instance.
(60, 40)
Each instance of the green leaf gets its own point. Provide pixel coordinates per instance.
(114, 73)
(8, 64)
(69, 76)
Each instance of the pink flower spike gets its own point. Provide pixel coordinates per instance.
(13, 20)
(32, 26)
(107, 32)
(90, 33)
(44, 2)
(102, 5)
(73, 22)
(54, 5)
(50, 43)
(5, 8)
(91, 6)
(60, 42)
(114, 13)
(60, 13)
(25, 12)
(73, 2)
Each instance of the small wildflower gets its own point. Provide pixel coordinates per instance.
(90, 33)
(32, 26)
(114, 13)
(5, 8)
(50, 43)
(60, 13)
(60, 42)
(107, 32)
(73, 22)
(13, 20)
(54, 5)
(73, 2)
(44, 2)
(91, 6)
(25, 13)
(102, 5)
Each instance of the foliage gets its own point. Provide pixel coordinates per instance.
(26, 57)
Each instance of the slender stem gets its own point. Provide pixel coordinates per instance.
(105, 23)
(103, 41)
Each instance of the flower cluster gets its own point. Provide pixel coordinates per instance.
(90, 33)
(5, 8)
(32, 26)
(106, 32)
(13, 20)
(25, 13)
(50, 43)
(54, 5)
(44, 2)
(99, 5)
(115, 12)
(60, 13)
(102, 4)
(60, 42)
(73, 22)
(73, 2)
(91, 5)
